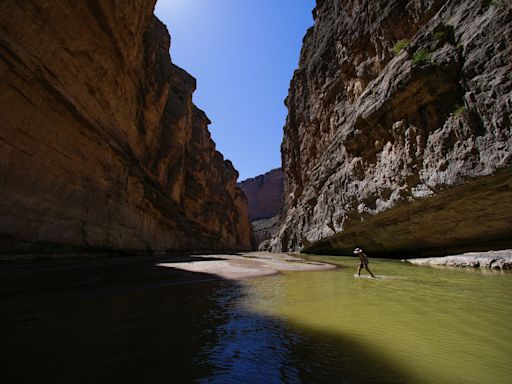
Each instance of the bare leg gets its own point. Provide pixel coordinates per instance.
(359, 271)
(368, 269)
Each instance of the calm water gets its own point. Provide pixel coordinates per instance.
(413, 325)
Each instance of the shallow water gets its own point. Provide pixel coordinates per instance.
(415, 324)
(412, 325)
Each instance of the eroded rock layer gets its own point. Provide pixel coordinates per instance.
(398, 137)
(101, 146)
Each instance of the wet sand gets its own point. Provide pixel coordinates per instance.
(244, 265)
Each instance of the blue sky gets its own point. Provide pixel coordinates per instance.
(243, 54)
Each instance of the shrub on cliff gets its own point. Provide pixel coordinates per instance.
(421, 56)
(400, 45)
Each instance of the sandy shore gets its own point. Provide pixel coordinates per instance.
(244, 265)
(27, 276)
(491, 260)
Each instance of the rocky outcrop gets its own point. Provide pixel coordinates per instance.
(265, 194)
(398, 137)
(264, 230)
(486, 260)
(101, 147)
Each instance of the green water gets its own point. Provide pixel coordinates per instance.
(413, 325)
(418, 324)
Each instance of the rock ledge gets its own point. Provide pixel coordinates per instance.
(490, 260)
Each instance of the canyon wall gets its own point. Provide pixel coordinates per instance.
(265, 196)
(101, 146)
(398, 137)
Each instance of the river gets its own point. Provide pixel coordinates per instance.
(411, 325)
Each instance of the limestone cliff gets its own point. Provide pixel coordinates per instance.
(264, 194)
(398, 137)
(101, 147)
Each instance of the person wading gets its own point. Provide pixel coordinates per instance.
(363, 261)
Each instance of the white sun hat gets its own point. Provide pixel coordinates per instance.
(358, 250)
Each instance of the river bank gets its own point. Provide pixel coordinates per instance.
(488, 260)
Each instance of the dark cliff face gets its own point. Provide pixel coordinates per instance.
(101, 146)
(264, 194)
(398, 137)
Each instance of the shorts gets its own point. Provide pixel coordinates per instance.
(363, 265)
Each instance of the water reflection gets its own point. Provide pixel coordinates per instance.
(146, 336)
(254, 348)
(250, 347)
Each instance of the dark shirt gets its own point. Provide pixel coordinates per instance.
(363, 258)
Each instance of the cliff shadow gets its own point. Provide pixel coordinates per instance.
(107, 321)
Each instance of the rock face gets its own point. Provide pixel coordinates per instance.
(265, 196)
(398, 137)
(101, 147)
(264, 230)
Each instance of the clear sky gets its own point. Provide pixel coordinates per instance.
(243, 54)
